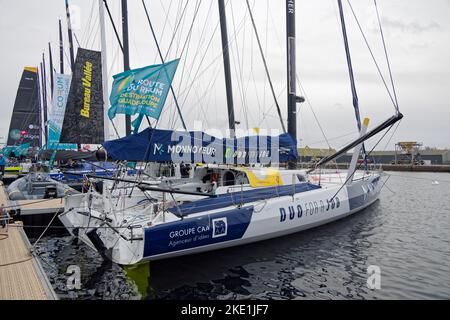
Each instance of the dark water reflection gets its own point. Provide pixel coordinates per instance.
(406, 234)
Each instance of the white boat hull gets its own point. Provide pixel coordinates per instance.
(138, 238)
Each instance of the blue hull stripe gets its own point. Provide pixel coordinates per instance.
(237, 198)
(197, 232)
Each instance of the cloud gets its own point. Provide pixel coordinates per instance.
(413, 27)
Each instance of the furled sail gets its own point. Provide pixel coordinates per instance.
(25, 121)
(83, 119)
(155, 145)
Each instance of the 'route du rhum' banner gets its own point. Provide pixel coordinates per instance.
(83, 120)
(142, 91)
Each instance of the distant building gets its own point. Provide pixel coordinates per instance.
(308, 154)
(386, 157)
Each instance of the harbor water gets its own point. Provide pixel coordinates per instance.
(406, 235)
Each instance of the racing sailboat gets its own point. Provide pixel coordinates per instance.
(241, 215)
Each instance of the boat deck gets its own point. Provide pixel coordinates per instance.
(243, 197)
(21, 275)
(43, 206)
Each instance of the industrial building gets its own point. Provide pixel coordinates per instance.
(430, 156)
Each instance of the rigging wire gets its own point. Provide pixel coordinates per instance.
(174, 32)
(386, 54)
(358, 166)
(162, 60)
(373, 57)
(238, 69)
(315, 117)
(113, 24)
(265, 66)
(187, 47)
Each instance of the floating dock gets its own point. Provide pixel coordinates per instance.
(21, 274)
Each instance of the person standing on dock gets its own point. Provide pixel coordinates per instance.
(2, 165)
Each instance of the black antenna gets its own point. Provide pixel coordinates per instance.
(126, 55)
(61, 49)
(69, 30)
(291, 72)
(227, 69)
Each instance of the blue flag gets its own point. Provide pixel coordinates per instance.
(142, 91)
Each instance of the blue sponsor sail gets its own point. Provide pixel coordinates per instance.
(156, 145)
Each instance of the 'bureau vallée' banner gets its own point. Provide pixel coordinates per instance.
(142, 91)
(55, 120)
(83, 119)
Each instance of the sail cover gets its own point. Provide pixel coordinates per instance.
(155, 145)
(25, 121)
(83, 119)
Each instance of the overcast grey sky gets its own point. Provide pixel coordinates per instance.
(417, 34)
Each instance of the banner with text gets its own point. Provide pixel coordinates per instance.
(56, 117)
(142, 91)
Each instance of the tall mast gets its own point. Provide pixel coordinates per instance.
(350, 71)
(41, 127)
(126, 55)
(69, 29)
(61, 49)
(291, 71)
(226, 64)
(104, 67)
(44, 93)
(350, 67)
(51, 66)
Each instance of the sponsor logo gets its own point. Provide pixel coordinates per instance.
(220, 227)
(87, 82)
(309, 208)
(15, 134)
(158, 149)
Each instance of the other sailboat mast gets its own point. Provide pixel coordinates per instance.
(104, 67)
(126, 55)
(227, 69)
(291, 72)
(61, 49)
(69, 32)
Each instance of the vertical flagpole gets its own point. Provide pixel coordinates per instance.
(69, 30)
(291, 71)
(51, 66)
(126, 54)
(104, 68)
(227, 69)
